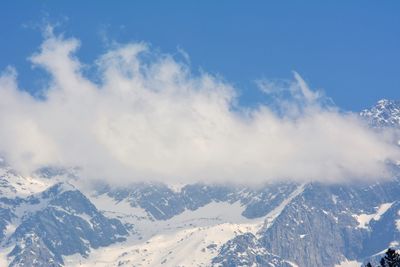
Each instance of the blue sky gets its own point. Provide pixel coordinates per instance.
(351, 49)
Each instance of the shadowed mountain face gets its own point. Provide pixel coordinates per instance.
(330, 223)
(49, 219)
(56, 222)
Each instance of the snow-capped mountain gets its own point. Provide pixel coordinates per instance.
(386, 113)
(51, 219)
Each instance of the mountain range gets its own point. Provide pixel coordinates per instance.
(51, 218)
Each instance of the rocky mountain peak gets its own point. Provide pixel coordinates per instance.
(385, 113)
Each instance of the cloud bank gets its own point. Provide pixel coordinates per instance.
(148, 117)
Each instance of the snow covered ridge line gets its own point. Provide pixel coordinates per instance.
(44, 227)
(386, 113)
(62, 204)
(14, 185)
(214, 219)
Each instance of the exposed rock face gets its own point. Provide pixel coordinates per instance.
(321, 223)
(244, 250)
(327, 224)
(34, 252)
(384, 232)
(6, 216)
(60, 221)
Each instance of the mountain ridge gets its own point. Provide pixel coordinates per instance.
(50, 219)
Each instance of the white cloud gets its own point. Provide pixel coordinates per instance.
(150, 118)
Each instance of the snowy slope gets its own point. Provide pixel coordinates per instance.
(107, 230)
(191, 238)
(14, 185)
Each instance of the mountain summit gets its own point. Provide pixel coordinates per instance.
(386, 113)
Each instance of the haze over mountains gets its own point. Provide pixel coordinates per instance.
(140, 115)
(54, 217)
